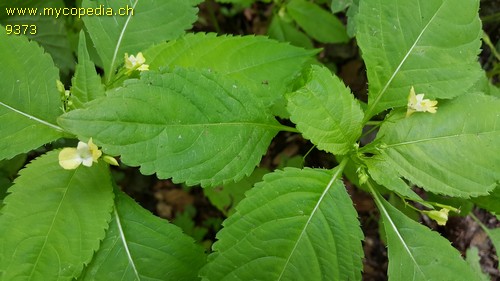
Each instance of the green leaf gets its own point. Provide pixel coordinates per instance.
(11, 167)
(326, 112)
(53, 220)
(287, 32)
(227, 197)
(489, 202)
(141, 246)
(185, 221)
(452, 152)
(473, 259)
(318, 23)
(30, 102)
(86, 84)
(340, 5)
(431, 45)
(51, 32)
(351, 14)
(295, 225)
(8, 171)
(494, 90)
(416, 252)
(193, 126)
(5, 183)
(152, 22)
(265, 66)
(385, 174)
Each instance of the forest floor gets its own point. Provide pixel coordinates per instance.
(171, 201)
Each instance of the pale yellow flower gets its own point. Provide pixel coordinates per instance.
(417, 103)
(135, 62)
(441, 216)
(85, 153)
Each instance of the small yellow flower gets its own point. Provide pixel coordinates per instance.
(417, 103)
(135, 62)
(441, 216)
(85, 153)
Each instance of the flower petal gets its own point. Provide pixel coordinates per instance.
(140, 58)
(87, 162)
(143, 67)
(412, 98)
(94, 151)
(128, 62)
(441, 216)
(69, 158)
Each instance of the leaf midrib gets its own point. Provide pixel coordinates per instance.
(119, 42)
(215, 124)
(393, 226)
(441, 138)
(31, 117)
(52, 224)
(335, 177)
(125, 244)
(371, 107)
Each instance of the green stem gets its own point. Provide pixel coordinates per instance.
(307, 153)
(478, 222)
(213, 18)
(487, 41)
(340, 169)
(369, 131)
(115, 78)
(374, 193)
(491, 18)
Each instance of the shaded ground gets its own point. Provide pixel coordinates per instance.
(169, 200)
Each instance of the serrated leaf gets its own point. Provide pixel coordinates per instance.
(295, 225)
(193, 126)
(53, 220)
(141, 246)
(452, 152)
(384, 174)
(51, 32)
(287, 32)
(265, 66)
(86, 84)
(326, 112)
(151, 22)
(431, 45)
(318, 23)
(416, 252)
(29, 103)
(490, 201)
